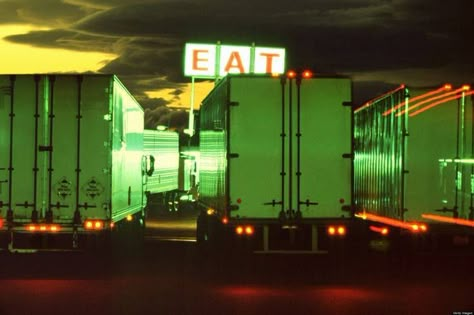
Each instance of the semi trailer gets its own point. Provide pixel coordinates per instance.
(276, 163)
(161, 149)
(414, 167)
(72, 168)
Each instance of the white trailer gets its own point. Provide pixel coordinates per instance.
(275, 163)
(71, 162)
(161, 148)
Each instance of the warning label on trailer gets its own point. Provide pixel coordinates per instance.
(93, 188)
(63, 188)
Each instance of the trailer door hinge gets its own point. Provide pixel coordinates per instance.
(43, 148)
(232, 155)
(348, 155)
(234, 103)
(348, 103)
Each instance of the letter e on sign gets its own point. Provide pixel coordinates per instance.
(200, 60)
(269, 60)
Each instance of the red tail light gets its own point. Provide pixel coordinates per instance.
(331, 230)
(249, 230)
(337, 230)
(94, 224)
(239, 230)
(43, 228)
(381, 230)
(307, 74)
(341, 230)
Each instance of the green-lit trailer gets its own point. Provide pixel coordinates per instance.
(275, 163)
(71, 162)
(161, 148)
(414, 167)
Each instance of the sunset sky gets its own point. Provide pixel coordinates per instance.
(377, 42)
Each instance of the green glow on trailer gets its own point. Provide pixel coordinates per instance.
(434, 98)
(45, 141)
(452, 98)
(462, 161)
(416, 98)
(377, 99)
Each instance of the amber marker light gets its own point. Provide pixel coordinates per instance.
(225, 220)
(443, 97)
(331, 230)
(341, 230)
(452, 98)
(249, 230)
(444, 88)
(441, 218)
(307, 74)
(239, 230)
(381, 230)
(129, 218)
(374, 100)
(387, 221)
(291, 74)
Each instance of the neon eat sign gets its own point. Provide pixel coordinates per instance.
(213, 61)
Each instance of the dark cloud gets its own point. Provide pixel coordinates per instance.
(139, 84)
(44, 12)
(163, 116)
(346, 36)
(64, 38)
(339, 36)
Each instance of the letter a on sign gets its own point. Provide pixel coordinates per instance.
(234, 59)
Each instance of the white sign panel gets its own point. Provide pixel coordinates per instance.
(200, 60)
(211, 61)
(269, 60)
(234, 59)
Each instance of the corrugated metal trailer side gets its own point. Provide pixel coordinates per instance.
(413, 160)
(162, 151)
(71, 157)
